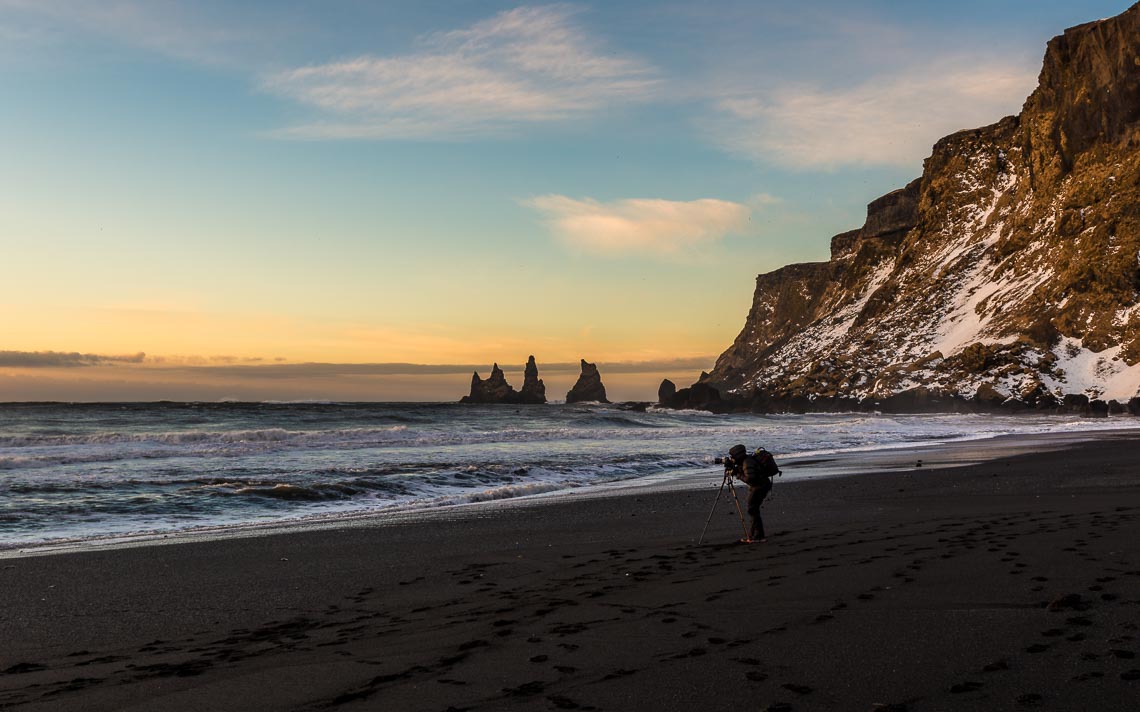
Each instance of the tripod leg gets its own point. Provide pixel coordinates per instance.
(739, 512)
(715, 501)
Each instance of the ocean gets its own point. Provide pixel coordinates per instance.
(92, 472)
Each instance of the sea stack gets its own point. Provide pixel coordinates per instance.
(589, 387)
(533, 390)
(667, 392)
(493, 390)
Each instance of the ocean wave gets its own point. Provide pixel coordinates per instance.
(153, 469)
(313, 492)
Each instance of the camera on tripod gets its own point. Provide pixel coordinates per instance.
(730, 473)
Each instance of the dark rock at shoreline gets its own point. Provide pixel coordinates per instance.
(667, 392)
(699, 396)
(1075, 403)
(589, 388)
(917, 400)
(533, 390)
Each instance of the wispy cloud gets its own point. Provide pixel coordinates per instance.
(189, 32)
(887, 120)
(259, 368)
(62, 359)
(334, 370)
(525, 66)
(647, 226)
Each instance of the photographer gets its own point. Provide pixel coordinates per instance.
(747, 469)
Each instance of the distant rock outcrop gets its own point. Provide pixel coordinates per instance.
(533, 390)
(493, 390)
(667, 392)
(496, 389)
(698, 396)
(589, 387)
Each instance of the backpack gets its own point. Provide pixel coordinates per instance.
(768, 466)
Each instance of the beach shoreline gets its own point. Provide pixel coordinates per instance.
(845, 463)
(1007, 584)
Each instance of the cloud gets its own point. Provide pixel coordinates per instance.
(187, 32)
(257, 368)
(525, 66)
(333, 370)
(888, 120)
(652, 226)
(60, 359)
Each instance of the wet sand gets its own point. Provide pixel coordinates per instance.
(1012, 584)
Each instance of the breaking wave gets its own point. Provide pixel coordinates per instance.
(91, 471)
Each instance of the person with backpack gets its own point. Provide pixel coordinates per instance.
(756, 471)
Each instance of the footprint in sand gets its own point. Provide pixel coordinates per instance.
(565, 703)
(967, 686)
(526, 689)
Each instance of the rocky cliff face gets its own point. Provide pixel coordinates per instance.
(1008, 274)
(589, 387)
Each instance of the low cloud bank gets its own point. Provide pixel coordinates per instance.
(62, 359)
(327, 370)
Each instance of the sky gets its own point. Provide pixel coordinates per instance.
(353, 200)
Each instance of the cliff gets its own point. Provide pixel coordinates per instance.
(1007, 274)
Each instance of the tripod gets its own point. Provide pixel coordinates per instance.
(727, 481)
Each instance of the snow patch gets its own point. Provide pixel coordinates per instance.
(1101, 375)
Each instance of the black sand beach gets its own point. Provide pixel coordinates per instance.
(1009, 585)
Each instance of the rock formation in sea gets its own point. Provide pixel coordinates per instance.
(496, 389)
(493, 390)
(533, 389)
(666, 392)
(1007, 275)
(589, 387)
